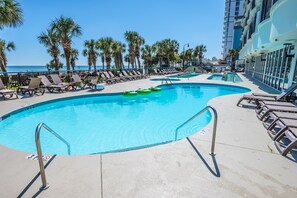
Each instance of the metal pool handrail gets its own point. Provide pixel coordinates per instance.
(166, 79)
(39, 152)
(214, 130)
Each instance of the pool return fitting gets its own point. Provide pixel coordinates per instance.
(214, 130)
(39, 152)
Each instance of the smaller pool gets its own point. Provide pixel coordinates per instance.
(165, 79)
(230, 77)
(183, 75)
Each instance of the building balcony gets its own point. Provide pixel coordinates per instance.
(283, 17)
(273, 32)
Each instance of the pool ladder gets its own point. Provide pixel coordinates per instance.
(39, 152)
(166, 80)
(214, 130)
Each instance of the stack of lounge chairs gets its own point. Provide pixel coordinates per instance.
(121, 76)
(279, 116)
(165, 71)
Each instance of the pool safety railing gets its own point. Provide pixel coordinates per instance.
(214, 130)
(166, 80)
(39, 152)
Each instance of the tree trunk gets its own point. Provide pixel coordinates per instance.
(67, 57)
(102, 59)
(138, 60)
(121, 62)
(94, 61)
(108, 61)
(2, 64)
(57, 62)
(168, 59)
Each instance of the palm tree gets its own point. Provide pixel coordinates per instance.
(3, 48)
(85, 52)
(148, 54)
(52, 64)
(73, 57)
(102, 59)
(117, 49)
(99, 46)
(167, 50)
(90, 46)
(160, 52)
(105, 45)
(233, 53)
(139, 41)
(11, 13)
(170, 47)
(127, 59)
(188, 55)
(199, 52)
(51, 41)
(130, 37)
(66, 29)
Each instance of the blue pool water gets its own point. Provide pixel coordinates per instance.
(183, 75)
(164, 79)
(110, 123)
(231, 77)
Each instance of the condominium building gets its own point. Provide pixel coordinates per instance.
(269, 41)
(232, 25)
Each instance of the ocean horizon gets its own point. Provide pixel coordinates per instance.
(41, 68)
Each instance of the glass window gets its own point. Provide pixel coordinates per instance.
(295, 73)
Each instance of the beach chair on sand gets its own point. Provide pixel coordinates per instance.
(51, 87)
(256, 97)
(32, 88)
(6, 92)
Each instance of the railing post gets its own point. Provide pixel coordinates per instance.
(214, 131)
(39, 154)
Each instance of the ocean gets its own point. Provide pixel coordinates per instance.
(41, 68)
(15, 69)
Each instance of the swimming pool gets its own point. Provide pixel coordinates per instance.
(183, 75)
(231, 77)
(165, 79)
(111, 123)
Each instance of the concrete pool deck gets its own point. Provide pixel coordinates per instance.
(246, 165)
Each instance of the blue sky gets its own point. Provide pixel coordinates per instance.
(188, 21)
